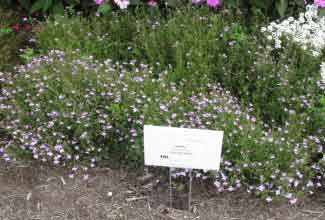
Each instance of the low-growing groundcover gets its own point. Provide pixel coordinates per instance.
(67, 110)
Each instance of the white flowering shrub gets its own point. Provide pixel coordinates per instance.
(308, 31)
(80, 112)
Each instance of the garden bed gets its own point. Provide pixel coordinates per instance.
(89, 84)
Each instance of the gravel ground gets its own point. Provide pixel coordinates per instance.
(33, 192)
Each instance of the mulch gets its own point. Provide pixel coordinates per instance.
(30, 191)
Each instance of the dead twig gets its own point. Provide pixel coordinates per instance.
(311, 211)
(63, 181)
(29, 195)
(136, 198)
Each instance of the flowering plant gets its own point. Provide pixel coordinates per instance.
(61, 109)
(308, 31)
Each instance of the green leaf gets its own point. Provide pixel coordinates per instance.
(43, 5)
(47, 5)
(174, 3)
(38, 5)
(27, 55)
(136, 2)
(322, 12)
(231, 3)
(281, 6)
(322, 101)
(104, 8)
(5, 30)
(25, 4)
(259, 4)
(58, 8)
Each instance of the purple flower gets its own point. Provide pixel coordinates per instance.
(99, 2)
(152, 3)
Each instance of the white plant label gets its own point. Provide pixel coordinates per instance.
(182, 147)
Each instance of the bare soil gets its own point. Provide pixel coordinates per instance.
(35, 192)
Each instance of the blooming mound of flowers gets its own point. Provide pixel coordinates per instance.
(64, 110)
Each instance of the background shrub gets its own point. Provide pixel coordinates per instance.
(48, 6)
(192, 41)
(187, 40)
(269, 8)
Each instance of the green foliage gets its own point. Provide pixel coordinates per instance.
(4, 31)
(281, 6)
(10, 42)
(77, 34)
(277, 85)
(47, 6)
(69, 110)
(91, 93)
(318, 116)
(9, 46)
(104, 8)
(269, 8)
(182, 40)
(322, 12)
(193, 41)
(27, 55)
(7, 17)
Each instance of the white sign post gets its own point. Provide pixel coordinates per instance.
(182, 148)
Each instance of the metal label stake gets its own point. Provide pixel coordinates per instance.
(170, 188)
(190, 191)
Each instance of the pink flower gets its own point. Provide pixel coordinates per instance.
(213, 3)
(152, 3)
(122, 4)
(99, 2)
(319, 3)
